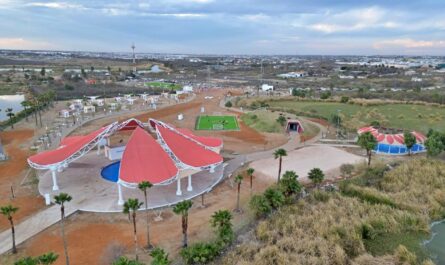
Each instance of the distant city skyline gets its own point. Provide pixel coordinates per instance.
(318, 27)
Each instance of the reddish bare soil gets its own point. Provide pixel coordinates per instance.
(12, 172)
(97, 238)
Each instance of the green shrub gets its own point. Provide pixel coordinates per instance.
(200, 253)
(274, 196)
(289, 183)
(260, 205)
(160, 257)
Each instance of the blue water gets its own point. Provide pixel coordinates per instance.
(436, 245)
(111, 172)
(10, 101)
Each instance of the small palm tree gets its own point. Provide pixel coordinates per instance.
(238, 180)
(409, 140)
(250, 173)
(279, 153)
(48, 258)
(221, 221)
(160, 257)
(8, 211)
(144, 186)
(61, 199)
(11, 116)
(131, 206)
(27, 261)
(316, 176)
(183, 208)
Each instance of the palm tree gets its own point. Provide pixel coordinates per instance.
(279, 153)
(27, 261)
(143, 186)
(131, 206)
(8, 211)
(316, 176)
(238, 180)
(250, 173)
(48, 258)
(61, 199)
(183, 208)
(221, 221)
(11, 115)
(26, 104)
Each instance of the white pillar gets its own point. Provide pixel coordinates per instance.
(98, 149)
(189, 187)
(178, 189)
(121, 198)
(53, 173)
(212, 169)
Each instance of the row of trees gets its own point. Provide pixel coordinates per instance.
(33, 106)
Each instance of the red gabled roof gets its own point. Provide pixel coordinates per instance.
(70, 139)
(70, 147)
(145, 160)
(186, 150)
(130, 125)
(207, 141)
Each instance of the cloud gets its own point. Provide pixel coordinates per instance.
(23, 44)
(56, 5)
(352, 20)
(408, 44)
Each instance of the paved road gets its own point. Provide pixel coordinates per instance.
(32, 226)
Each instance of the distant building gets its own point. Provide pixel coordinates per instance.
(266, 87)
(187, 89)
(293, 74)
(89, 109)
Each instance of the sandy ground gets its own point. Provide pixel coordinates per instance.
(327, 158)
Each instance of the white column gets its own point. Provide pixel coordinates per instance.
(98, 149)
(189, 187)
(212, 169)
(121, 198)
(53, 173)
(178, 189)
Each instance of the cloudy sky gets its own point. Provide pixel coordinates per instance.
(413, 27)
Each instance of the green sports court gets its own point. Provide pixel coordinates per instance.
(221, 123)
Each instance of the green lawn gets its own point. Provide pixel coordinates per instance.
(216, 123)
(163, 85)
(404, 116)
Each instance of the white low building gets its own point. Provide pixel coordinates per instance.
(89, 109)
(187, 89)
(64, 113)
(266, 87)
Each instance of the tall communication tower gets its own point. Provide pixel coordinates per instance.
(134, 58)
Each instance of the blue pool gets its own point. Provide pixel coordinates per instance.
(111, 172)
(398, 149)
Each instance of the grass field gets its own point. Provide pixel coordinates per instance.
(164, 85)
(216, 123)
(405, 116)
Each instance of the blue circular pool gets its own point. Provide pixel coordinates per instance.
(111, 172)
